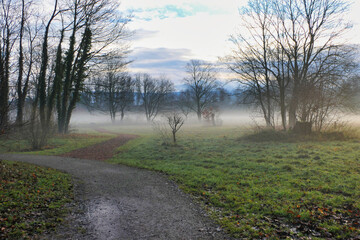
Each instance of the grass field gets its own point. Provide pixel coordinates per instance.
(262, 186)
(32, 199)
(57, 145)
(273, 189)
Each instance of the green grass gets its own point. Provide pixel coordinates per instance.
(57, 145)
(271, 188)
(32, 199)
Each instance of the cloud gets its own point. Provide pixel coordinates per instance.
(170, 63)
(205, 34)
(166, 65)
(160, 61)
(203, 26)
(143, 33)
(159, 54)
(161, 9)
(167, 11)
(168, 33)
(194, 6)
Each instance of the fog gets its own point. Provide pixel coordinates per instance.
(233, 117)
(226, 117)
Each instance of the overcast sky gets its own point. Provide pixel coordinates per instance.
(168, 33)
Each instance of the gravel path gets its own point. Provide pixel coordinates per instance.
(119, 202)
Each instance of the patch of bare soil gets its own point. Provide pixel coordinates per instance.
(101, 151)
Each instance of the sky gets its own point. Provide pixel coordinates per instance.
(169, 33)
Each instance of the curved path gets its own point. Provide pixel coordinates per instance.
(101, 151)
(119, 202)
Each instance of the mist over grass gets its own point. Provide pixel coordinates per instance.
(246, 117)
(226, 117)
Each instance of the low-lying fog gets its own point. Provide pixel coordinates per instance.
(226, 118)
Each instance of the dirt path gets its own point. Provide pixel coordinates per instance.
(101, 151)
(119, 202)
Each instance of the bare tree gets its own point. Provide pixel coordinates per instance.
(175, 122)
(8, 15)
(19, 116)
(28, 34)
(112, 90)
(61, 76)
(289, 53)
(40, 130)
(259, 61)
(42, 88)
(310, 34)
(201, 83)
(326, 94)
(99, 25)
(153, 93)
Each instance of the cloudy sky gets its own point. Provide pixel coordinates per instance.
(168, 33)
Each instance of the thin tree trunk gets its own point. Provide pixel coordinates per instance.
(70, 55)
(198, 111)
(20, 106)
(122, 114)
(292, 109)
(4, 88)
(174, 136)
(55, 91)
(42, 75)
(80, 69)
(283, 108)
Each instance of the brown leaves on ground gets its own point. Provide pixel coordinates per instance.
(78, 135)
(319, 222)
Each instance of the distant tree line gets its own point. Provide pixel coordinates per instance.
(114, 91)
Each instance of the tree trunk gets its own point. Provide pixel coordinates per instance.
(174, 136)
(20, 106)
(122, 114)
(56, 88)
(293, 106)
(283, 113)
(213, 119)
(112, 115)
(69, 64)
(4, 85)
(67, 84)
(80, 68)
(282, 104)
(198, 111)
(267, 79)
(42, 77)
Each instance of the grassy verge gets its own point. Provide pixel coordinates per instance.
(32, 199)
(57, 145)
(268, 189)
